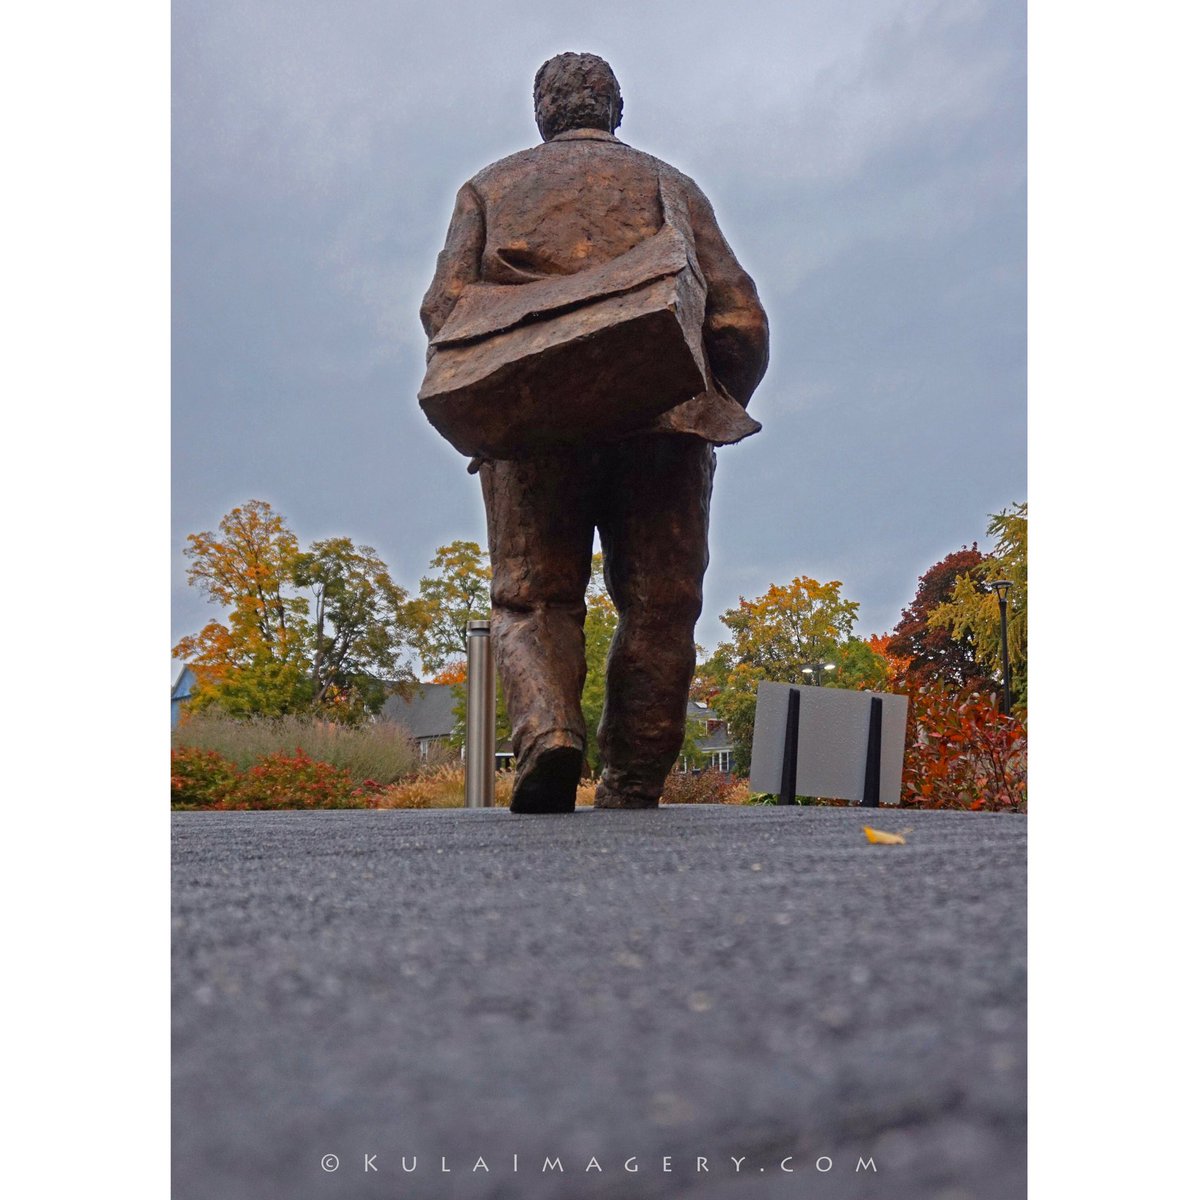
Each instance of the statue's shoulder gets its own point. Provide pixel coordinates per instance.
(504, 167)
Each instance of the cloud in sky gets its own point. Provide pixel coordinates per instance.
(866, 163)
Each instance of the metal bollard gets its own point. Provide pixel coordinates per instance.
(481, 716)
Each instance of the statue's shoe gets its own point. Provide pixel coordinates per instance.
(547, 779)
(610, 797)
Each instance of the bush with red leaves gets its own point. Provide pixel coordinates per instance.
(962, 752)
(295, 781)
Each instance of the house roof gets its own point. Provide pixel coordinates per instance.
(718, 739)
(428, 712)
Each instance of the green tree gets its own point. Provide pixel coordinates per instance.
(457, 590)
(362, 627)
(974, 613)
(860, 667)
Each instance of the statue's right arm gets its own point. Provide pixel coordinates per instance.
(459, 262)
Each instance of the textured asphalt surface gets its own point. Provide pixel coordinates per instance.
(696, 983)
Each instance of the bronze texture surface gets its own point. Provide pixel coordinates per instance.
(592, 337)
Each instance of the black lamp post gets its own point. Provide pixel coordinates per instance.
(1001, 588)
(816, 669)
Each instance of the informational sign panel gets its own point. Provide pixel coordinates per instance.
(834, 752)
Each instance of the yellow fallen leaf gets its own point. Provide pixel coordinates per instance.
(879, 838)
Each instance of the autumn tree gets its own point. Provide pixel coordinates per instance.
(255, 661)
(934, 651)
(896, 663)
(971, 611)
(457, 590)
(273, 655)
(789, 627)
(774, 637)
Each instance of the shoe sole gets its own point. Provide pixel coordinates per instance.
(550, 785)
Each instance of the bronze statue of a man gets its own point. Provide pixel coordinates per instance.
(579, 200)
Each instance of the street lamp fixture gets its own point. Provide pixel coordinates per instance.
(1002, 587)
(817, 669)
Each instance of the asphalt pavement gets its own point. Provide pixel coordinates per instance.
(695, 1001)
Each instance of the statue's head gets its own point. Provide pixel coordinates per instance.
(576, 91)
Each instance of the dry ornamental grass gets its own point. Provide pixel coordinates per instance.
(381, 751)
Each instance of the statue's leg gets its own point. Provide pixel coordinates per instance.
(540, 527)
(654, 530)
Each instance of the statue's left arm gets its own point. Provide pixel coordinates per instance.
(735, 325)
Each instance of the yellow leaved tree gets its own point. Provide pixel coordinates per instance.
(320, 630)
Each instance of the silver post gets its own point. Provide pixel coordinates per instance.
(481, 716)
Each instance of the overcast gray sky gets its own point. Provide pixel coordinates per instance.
(866, 162)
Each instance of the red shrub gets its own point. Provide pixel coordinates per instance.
(201, 778)
(962, 752)
(295, 781)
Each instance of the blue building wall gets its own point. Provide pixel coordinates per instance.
(181, 690)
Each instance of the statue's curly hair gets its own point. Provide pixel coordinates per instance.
(576, 91)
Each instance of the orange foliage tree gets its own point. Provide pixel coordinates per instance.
(455, 671)
(255, 661)
(270, 657)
